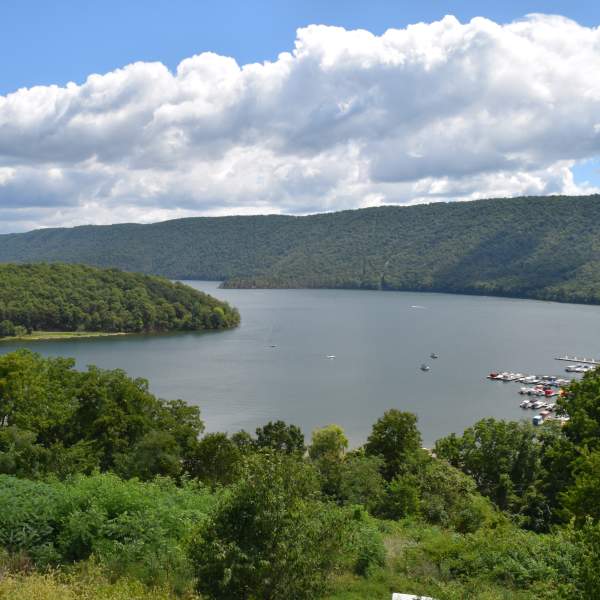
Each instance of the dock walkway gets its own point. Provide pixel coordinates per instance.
(576, 359)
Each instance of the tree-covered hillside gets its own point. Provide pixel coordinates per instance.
(59, 297)
(547, 248)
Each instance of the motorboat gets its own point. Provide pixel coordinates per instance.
(425, 367)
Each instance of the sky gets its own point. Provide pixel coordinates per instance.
(141, 111)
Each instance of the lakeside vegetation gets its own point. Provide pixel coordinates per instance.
(536, 247)
(56, 301)
(110, 492)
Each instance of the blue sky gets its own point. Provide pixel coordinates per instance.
(450, 110)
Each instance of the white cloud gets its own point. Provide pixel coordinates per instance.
(440, 111)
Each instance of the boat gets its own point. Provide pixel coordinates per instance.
(434, 355)
(425, 367)
(331, 356)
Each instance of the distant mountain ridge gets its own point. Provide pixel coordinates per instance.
(533, 247)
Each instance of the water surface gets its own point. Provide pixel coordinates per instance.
(379, 340)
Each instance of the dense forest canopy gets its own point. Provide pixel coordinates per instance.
(537, 247)
(110, 492)
(60, 297)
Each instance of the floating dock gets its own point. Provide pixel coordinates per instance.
(577, 359)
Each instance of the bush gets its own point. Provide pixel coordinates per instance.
(130, 528)
(505, 556)
(271, 536)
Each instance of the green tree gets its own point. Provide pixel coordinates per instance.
(327, 454)
(7, 328)
(582, 498)
(396, 439)
(589, 578)
(281, 437)
(243, 440)
(401, 498)
(328, 442)
(582, 404)
(156, 453)
(215, 461)
(503, 457)
(360, 480)
(270, 538)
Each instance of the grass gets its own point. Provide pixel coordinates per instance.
(444, 565)
(58, 335)
(57, 586)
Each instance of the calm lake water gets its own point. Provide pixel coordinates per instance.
(380, 339)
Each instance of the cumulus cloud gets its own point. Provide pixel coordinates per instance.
(439, 111)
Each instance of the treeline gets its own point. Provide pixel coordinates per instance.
(101, 481)
(60, 297)
(535, 247)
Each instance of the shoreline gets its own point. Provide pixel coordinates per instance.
(40, 336)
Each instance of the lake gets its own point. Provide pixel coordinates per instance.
(379, 339)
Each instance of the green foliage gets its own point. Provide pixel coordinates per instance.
(505, 556)
(326, 452)
(502, 457)
(360, 481)
(582, 404)
(396, 439)
(58, 420)
(449, 498)
(582, 498)
(89, 584)
(280, 437)
(56, 297)
(589, 576)
(402, 498)
(216, 460)
(139, 529)
(243, 440)
(329, 441)
(274, 522)
(531, 247)
(270, 537)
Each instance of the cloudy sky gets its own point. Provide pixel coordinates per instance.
(406, 109)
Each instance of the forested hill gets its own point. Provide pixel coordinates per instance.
(71, 298)
(538, 247)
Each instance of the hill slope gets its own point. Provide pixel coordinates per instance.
(536, 247)
(61, 297)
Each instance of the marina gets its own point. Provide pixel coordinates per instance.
(544, 388)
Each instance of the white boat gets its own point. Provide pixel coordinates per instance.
(330, 356)
(425, 367)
